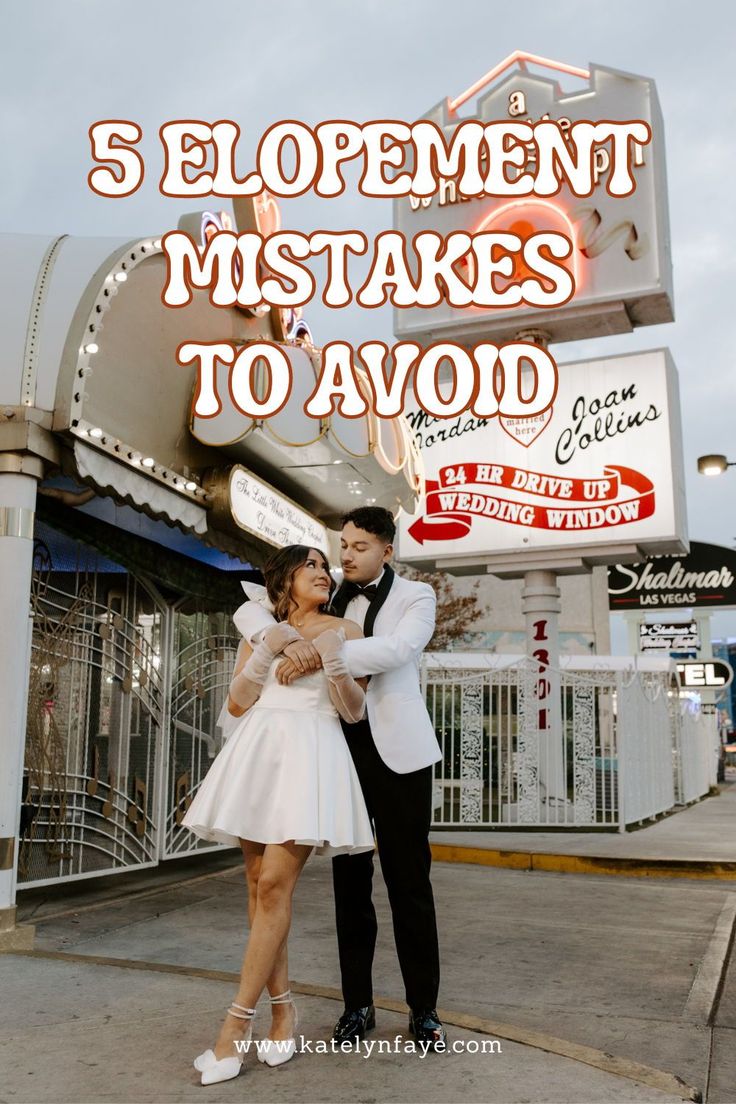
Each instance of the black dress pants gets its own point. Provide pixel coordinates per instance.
(400, 807)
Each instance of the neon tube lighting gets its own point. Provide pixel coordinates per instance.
(518, 55)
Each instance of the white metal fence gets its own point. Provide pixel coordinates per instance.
(493, 767)
(629, 749)
(696, 761)
(646, 748)
(202, 658)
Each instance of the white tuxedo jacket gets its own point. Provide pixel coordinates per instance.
(400, 724)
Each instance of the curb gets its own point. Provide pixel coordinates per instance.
(584, 864)
(702, 1002)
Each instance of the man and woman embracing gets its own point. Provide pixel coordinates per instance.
(329, 744)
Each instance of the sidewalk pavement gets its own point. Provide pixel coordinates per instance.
(595, 988)
(698, 842)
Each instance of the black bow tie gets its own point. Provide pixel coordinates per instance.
(353, 589)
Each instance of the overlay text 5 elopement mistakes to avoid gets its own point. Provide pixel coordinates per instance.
(255, 270)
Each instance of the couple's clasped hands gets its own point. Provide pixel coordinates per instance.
(346, 694)
(326, 652)
(301, 657)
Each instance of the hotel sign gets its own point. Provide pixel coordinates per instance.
(705, 578)
(712, 674)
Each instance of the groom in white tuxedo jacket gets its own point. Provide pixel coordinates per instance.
(393, 751)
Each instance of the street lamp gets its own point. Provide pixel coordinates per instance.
(714, 464)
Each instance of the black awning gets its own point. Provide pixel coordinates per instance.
(174, 574)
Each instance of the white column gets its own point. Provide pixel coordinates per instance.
(703, 621)
(17, 507)
(705, 652)
(709, 698)
(540, 602)
(633, 619)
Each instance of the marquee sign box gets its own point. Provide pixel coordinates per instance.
(266, 513)
(621, 247)
(240, 498)
(594, 478)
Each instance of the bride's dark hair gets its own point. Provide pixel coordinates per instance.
(279, 571)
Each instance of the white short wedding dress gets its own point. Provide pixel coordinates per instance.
(284, 773)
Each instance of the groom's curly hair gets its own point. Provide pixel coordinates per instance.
(373, 519)
(279, 571)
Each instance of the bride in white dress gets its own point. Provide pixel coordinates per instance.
(283, 785)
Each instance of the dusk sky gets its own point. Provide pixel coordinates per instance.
(67, 65)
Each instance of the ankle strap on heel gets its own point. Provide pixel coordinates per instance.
(283, 998)
(240, 1012)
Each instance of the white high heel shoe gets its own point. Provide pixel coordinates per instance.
(214, 1069)
(274, 1052)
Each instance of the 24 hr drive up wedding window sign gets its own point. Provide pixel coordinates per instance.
(600, 469)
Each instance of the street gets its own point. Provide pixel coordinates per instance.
(597, 989)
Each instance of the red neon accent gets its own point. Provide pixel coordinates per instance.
(620, 601)
(432, 529)
(520, 56)
(504, 474)
(499, 212)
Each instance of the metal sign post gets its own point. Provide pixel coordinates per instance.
(540, 602)
(17, 509)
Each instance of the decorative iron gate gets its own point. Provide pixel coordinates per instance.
(95, 705)
(124, 694)
(203, 651)
(492, 767)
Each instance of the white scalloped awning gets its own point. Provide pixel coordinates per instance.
(138, 491)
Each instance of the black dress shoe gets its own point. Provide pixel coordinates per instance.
(353, 1024)
(426, 1028)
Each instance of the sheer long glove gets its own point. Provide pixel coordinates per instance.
(245, 688)
(346, 695)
